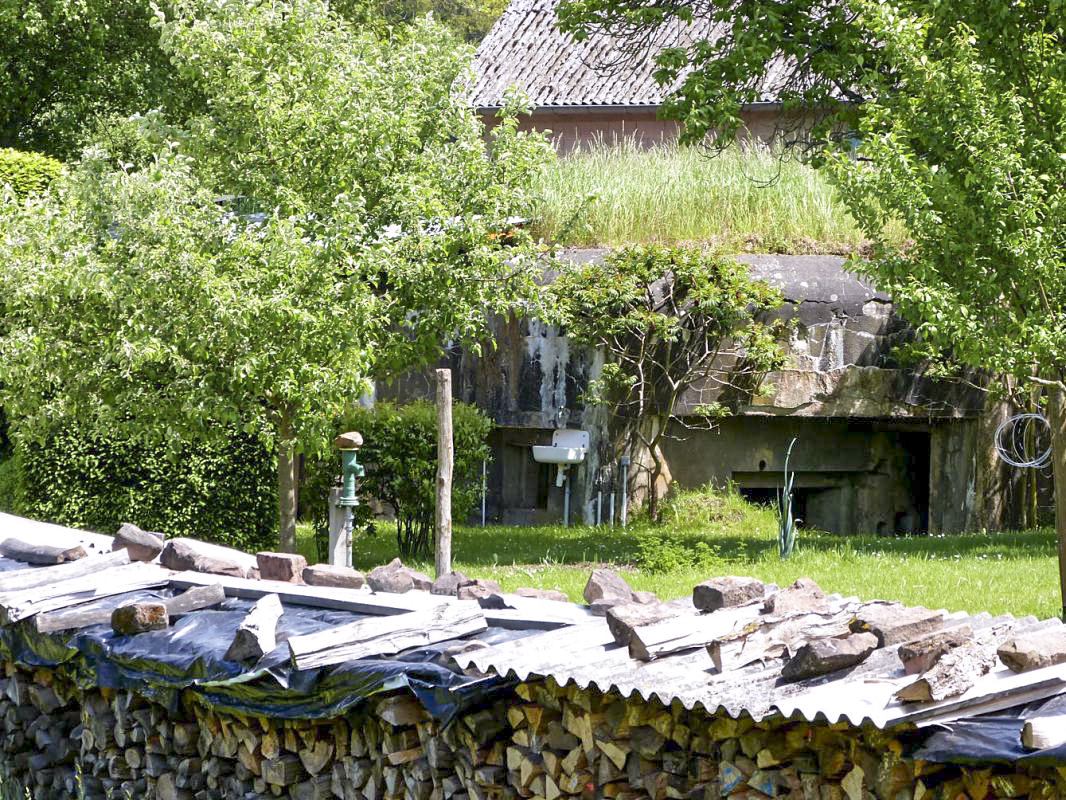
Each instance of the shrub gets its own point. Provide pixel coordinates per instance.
(400, 455)
(220, 493)
(26, 173)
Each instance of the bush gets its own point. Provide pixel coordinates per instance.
(219, 493)
(400, 455)
(26, 173)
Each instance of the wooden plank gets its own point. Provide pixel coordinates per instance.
(64, 594)
(30, 530)
(315, 596)
(43, 576)
(92, 614)
(195, 599)
(529, 616)
(41, 554)
(1041, 733)
(257, 634)
(375, 636)
(688, 631)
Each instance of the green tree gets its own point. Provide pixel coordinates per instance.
(672, 323)
(335, 213)
(946, 117)
(73, 68)
(26, 173)
(69, 64)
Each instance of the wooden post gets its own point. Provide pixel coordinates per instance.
(1057, 420)
(445, 460)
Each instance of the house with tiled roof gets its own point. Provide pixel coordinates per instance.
(598, 88)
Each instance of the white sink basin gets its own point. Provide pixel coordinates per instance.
(553, 454)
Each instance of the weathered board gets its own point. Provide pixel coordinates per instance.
(63, 594)
(93, 614)
(32, 577)
(386, 636)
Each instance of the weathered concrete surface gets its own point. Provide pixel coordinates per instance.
(882, 448)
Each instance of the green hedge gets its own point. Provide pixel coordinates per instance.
(220, 493)
(400, 455)
(26, 173)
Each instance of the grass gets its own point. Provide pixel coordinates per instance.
(741, 201)
(708, 535)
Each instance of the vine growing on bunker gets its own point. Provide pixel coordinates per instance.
(686, 337)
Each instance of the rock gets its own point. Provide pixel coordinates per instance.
(396, 578)
(141, 545)
(287, 567)
(599, 608)
(804, 596)
(726, 592)
(190, 554)
(138, 618)
(623, 618)
(828, 655)
(335, 576)
(352, 440)
(919, 655)
(494, 600)
(1035, 650)
(449, 583)
(607, 587)
(893, 624)
(644, 598)
(543, 594)
(479, 589)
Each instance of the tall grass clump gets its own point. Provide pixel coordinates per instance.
(745, 199)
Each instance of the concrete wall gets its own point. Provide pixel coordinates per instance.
(851, 476)
(882, 449)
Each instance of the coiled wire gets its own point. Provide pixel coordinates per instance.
(1016, 447)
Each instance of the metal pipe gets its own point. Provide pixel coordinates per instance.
(566, 503)
(599, 507)
(623, 462)
(612, 510)
(347, 538)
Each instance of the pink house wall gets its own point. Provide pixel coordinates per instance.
(580, 127)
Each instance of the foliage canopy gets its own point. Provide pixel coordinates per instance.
(26, 173)
(946, 118)
(331, 215)
(673, 323)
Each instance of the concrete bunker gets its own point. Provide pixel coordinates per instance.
(882, 448)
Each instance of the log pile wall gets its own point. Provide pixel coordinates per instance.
(540, 742)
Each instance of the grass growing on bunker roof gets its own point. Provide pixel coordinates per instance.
(708, 534)
(741, 200)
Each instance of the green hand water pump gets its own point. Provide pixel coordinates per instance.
(351, 470)
(349, 444)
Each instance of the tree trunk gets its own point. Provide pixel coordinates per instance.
(650, 463)
(287, 484)
(1057, 419)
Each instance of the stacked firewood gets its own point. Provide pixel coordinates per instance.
(569, 742)
(39, 723)
(542, 742)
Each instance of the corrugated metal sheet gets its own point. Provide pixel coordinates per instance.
(525, 50)
(587, 656)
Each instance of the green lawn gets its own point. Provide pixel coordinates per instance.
(1013, 573)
